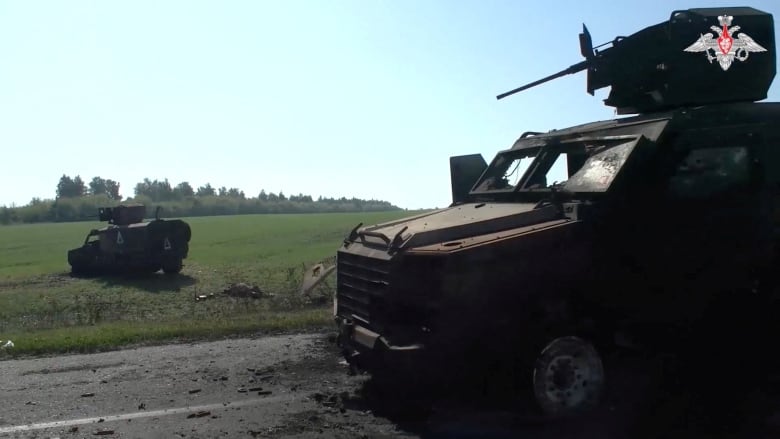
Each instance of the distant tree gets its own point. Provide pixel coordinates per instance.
(112, 190)
(300, 198)
(183, 189)
(70, 187)
(97, 186)
(143, 188)
(156, 190)
(5, 215)
(163, 191)
(100, 186)
(236, 193)
(71, 204)
(80, 188)
(206, 191)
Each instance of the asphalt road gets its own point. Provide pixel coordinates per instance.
(292, 386)
(259, 387)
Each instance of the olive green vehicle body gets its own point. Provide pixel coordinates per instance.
(664, 220)
(130, 244)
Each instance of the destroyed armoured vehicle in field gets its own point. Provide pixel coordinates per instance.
(129, 243)
(658, 216)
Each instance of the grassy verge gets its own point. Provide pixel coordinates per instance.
(110, 335)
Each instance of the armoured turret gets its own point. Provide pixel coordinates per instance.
(698, 57)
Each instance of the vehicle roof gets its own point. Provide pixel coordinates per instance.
(649, 124)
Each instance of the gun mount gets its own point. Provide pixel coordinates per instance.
(662, 66)
(122, 215)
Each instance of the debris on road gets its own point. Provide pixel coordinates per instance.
(103, 432)
(194, 391)
(87, 395)
(331, 400)
(314, 276)
(262, 371)
(199, 414)
(243, 290)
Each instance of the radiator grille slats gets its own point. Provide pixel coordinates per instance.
(362, 283)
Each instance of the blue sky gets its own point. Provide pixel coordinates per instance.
(362, 98)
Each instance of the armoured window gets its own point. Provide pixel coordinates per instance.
(600, 168)
(576, 165)
(505, 172)
(710, 172)
(516, 170)
(559, 171)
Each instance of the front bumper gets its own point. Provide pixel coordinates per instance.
(368, 350)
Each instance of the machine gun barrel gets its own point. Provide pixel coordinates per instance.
(572, 69)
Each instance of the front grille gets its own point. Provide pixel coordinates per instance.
(362, 284)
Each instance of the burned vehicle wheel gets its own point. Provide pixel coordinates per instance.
(172, 266)
(568, 377)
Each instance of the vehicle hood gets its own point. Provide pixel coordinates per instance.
(453, 223)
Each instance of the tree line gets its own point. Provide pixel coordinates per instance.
(77, 200)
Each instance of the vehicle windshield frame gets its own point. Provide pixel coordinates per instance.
(544, 156)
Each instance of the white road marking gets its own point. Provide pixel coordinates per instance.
(146, 414)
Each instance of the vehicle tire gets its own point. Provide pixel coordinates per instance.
(77, 270)
(568, 377)
(172, 265)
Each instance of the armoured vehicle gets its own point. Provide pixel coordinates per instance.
(665, 224)
(129, 243)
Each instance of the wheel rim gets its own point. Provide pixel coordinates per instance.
(568, 377)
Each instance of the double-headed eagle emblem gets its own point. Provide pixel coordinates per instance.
(725, 48)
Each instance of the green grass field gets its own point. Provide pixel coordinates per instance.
(43, 309)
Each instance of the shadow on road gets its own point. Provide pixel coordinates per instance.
(471, 415)
(645, 400)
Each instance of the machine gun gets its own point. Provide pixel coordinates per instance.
(586, 48)
(698, 57)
